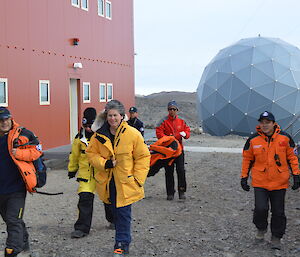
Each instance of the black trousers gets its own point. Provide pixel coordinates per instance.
(261, 211)
(85, 207)
(12, 210)
(169, 174)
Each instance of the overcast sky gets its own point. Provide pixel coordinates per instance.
(176, 39)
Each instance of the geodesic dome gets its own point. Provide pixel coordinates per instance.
(247, 78)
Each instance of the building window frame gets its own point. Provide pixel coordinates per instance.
(86, 98)
(109, 92)
(87, 5)
(41, 100)
(102, 98)
(108, 10)
(5, 102)
(74, 4)
(101, 2)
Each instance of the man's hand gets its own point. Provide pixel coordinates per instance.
(244, 184)
(72, 174)
(182, 133)
(296, 182)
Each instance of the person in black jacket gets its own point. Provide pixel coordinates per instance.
(134, 121)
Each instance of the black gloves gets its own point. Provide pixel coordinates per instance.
(244, 184)
(296, 182)
(72, 174)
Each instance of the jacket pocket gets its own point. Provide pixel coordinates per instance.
(131, 188)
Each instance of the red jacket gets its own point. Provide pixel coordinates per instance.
(269, 160)
(170, 126)
(25, 155)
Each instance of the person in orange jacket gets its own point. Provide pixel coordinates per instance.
(269, 156)
(173, 125)
(12, 184)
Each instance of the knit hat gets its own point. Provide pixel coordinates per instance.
(172, 103)
(4, 113)
(89, 116)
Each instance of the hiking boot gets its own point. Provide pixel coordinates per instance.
(78, 234)
(8, 252)
(260, 235)
(275, 243)
(118, 252)
(170, 197)
(181, 195)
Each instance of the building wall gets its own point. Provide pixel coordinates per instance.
(36, 44)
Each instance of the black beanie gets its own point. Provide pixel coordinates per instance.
(89, 115)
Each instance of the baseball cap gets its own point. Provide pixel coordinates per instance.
(4, 113)
(89, 115)
(133, 109)
(267, 115)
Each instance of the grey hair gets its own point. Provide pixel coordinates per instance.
(114, 105)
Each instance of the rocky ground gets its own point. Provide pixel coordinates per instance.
(215, 220)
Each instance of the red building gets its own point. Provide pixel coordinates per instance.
(58, 57)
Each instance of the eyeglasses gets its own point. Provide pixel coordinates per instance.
(172, 109)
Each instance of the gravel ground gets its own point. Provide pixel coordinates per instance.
(215, 220)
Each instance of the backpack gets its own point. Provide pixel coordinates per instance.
(163, 152)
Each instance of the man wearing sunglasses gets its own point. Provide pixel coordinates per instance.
(269, 155)
(173, 125)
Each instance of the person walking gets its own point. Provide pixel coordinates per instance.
(79, 165)
(134, 121)
(173, 125)
(12, 183)
(121, 160)
(269, 155)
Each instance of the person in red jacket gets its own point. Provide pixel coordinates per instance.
(269, 155)
(173, 125)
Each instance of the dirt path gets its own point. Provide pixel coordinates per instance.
(215, 220)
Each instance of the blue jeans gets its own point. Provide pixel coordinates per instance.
(122, 220)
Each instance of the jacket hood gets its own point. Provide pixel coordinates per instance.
(100, 120)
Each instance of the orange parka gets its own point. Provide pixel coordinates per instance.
(25, 153)
(269, 159)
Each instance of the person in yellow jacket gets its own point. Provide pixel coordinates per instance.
(269, 155)
(78, 164)
(121, 160)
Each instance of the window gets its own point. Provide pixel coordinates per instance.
(102, 92)
(109, 92)
(85, 5)
(75, 3)
(86, 92)
(3, 92)
(101, 7)
(108, 10)
(44, 92)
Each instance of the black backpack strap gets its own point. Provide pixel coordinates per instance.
(46, 193)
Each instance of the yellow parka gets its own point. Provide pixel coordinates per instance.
(78, 160)
(133, 163)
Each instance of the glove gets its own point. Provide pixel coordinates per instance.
(296, 182)
(182, 133)
(72, 174)
(244, 184)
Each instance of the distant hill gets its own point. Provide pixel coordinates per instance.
(153, 107)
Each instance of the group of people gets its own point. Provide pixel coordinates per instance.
(109, 155)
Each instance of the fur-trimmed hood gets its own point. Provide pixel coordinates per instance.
(99, 121)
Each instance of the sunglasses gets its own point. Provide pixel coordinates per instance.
(172, 109)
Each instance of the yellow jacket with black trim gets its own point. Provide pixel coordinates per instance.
(270, 159)
(78, 161)
(133, 163)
